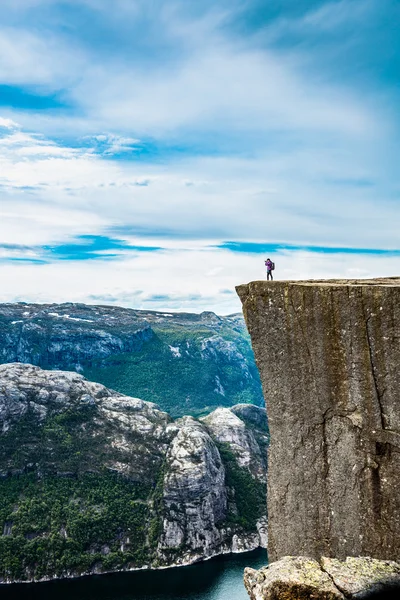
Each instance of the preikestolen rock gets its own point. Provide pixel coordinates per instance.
(291, 578)
(356, 576)
(302, 578)
(328, 353)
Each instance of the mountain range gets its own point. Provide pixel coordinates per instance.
(189, 364)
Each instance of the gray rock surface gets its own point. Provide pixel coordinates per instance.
(355, 576)
(108, 431)
(329, 353)
(291, 577)
(195, 495)
(227, 427)
(302, 578)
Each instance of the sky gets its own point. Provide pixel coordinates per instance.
(153, 153)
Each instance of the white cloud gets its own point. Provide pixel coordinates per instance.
(43, 60)
(34, 223)
(192, 280)
(8, 123)
(115, 144)
(288, 151)
(222, 87)
(18, 144)
(50, 189)
(219, 85)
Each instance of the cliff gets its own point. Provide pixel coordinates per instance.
(93, 481)
(328, 353)
(187, 363)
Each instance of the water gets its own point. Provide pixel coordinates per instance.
(218, 579)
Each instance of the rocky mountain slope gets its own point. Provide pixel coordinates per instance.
(187, 363)
(92, 480)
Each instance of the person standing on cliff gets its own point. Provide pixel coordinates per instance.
(270, 267)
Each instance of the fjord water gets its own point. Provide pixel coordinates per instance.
(218, 579)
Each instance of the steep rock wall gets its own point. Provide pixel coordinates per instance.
(329, 353)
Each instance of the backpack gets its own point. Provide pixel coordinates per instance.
(272, 267)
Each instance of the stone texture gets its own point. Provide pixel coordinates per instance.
(358, 575)
(229, 428)
(195, 495)
(328, 353)
(302, 578)
(291, 578)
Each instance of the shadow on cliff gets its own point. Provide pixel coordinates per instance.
(382, 592)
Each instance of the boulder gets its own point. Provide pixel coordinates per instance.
(302, 578)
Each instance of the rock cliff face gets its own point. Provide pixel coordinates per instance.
(187, 363)
(227, 427)
(329, 354)
(92, 480)
(68, 335)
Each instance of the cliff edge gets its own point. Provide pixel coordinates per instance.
(329, 353)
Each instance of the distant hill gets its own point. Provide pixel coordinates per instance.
(186, 363)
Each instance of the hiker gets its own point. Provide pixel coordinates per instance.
(270, 267)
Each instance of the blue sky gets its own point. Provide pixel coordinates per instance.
(152, 152)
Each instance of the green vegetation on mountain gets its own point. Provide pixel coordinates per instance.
(57, 524)
(248, 495)
(187, 363)
(97, 521)
(70, 441)
(185, 370)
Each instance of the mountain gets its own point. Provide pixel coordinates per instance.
(187, 363)
(92, 480)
